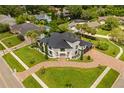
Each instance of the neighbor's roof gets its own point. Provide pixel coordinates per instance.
(42, 17)
(59, 40)
(79, 20)
(7, 20)
(25, 27)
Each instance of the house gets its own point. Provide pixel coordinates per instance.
(63, 45)
(72, 25)
(23, 28)
(93, 24)
(43, 16)
(7, 20)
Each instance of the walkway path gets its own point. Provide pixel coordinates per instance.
(25, 66)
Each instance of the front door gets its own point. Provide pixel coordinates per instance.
(62, 55)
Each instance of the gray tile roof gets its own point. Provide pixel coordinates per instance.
(25, 27)
(59, 40)
(7, 20)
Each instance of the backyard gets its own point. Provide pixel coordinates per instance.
(112, 49)
(69, 77)
(102, 32)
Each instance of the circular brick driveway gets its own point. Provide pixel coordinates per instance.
(99, 59)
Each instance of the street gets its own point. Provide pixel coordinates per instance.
(7, 79)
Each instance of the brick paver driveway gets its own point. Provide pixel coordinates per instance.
(99, 58)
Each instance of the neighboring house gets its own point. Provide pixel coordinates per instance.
(7, 20)
(93, 24)
(23, 28)
(43, 16)
(66, 12)
(102, 19)
(72, 25)
(63, 45)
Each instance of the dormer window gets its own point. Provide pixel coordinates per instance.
(50, 47)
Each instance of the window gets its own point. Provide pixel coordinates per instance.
(50, 52)
(62, 49)
(76, 46)
(76, 52)
(49, 47)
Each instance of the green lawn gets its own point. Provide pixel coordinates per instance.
(102, 32)
(4, 35)
(69, 77)
(112, 50)
(12, 41)
(85, 59)
(65, 25)
(109, 79)
(1, 47)
(30, 56)
(122, 57)
(30, 82)
(122, 46)
(13, 63)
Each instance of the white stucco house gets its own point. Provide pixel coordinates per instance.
(63, 45)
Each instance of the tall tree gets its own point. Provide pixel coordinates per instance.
(75, 11)
(111, 23)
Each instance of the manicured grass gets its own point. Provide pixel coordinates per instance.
(69, 77)
(1, 47)
(13, 63)
(122, 46)
(65, 25)
(112, 50)
(85, 59)
(30, 82)
(109, 79)
(102, 32)
(12, 41)
(30, 56)
(4, 35)
(122, 57)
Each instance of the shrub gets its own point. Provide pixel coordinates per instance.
(34, 45)
(43, 70)
(21, 37)
(4, 28)
(89, 57)
(102, 45)
(32, 61)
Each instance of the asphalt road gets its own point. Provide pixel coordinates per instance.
(7, 79)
